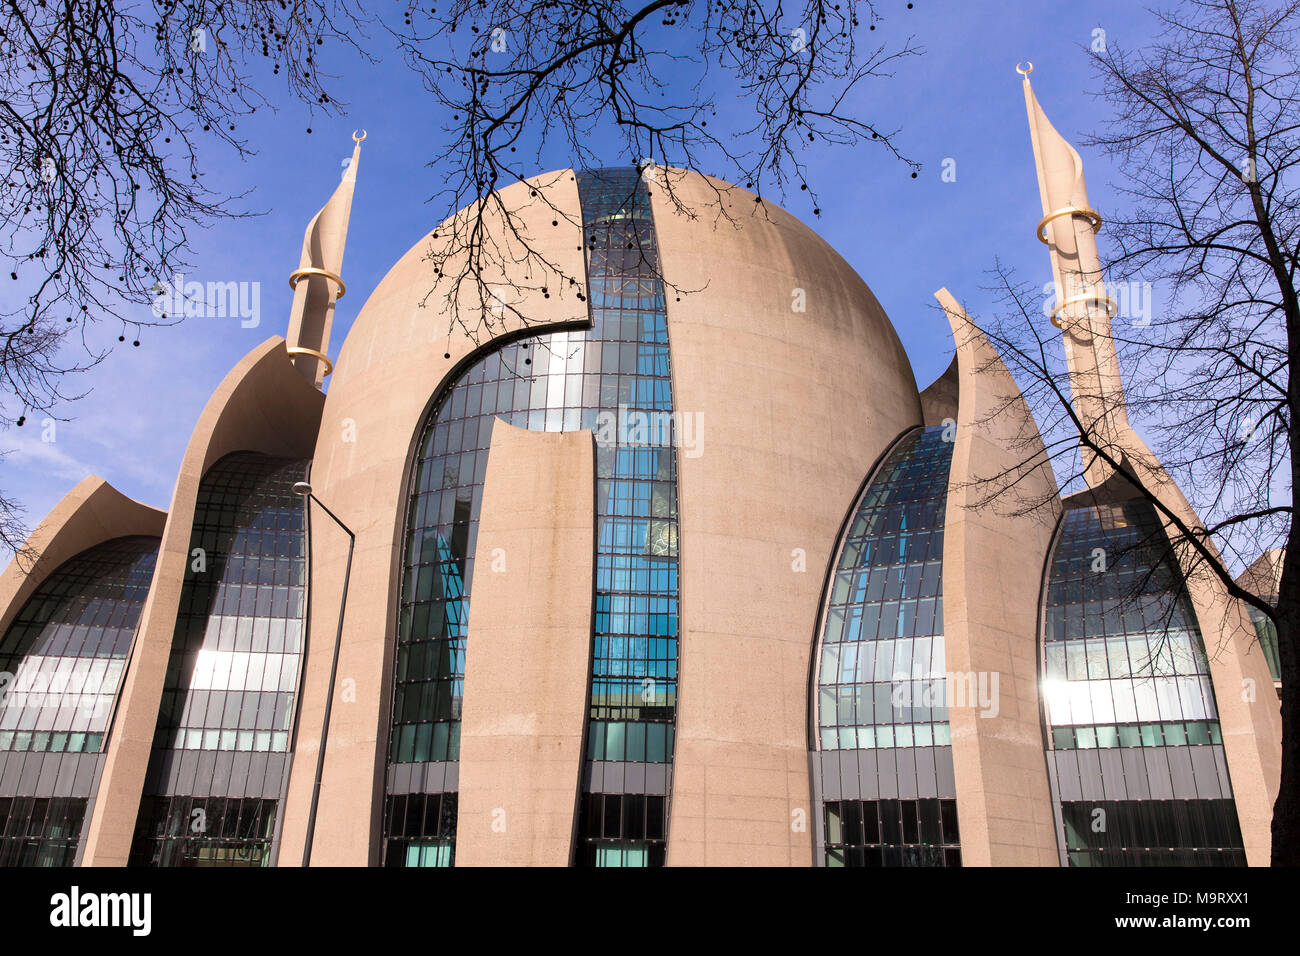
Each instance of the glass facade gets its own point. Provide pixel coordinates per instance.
(219, 758)
(892, 833)
(613, 378)
(1267, 634)
(422, 829)
(61, 665)
(625, 829)
(205, 831)
(40, 831)
(634, 654)
(881, 682)
(67, 648)
(1125, 668)
(1152, 833)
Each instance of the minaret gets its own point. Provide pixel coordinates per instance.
(317, 283)
(1252, 732)
(1083, 310)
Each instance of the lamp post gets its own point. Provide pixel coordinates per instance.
(303, 488)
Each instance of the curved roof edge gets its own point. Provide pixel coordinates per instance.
(90, 514)
(262, 405)
(1000, 754)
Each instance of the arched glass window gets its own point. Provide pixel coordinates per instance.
(61, 664)
(1135, 745)
(883, 767)
(220, 757)
(613, 378)
(1266, 631)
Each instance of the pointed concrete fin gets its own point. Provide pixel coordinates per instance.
(939, 400)
(317, 281)
(1060, 168)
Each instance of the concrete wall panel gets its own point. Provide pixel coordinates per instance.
(262, 405)
(528, 653)
(794, 408)
(994, 554)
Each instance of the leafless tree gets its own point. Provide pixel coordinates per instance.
(1206, 133)
(12, 531)
(743, 89)
(104, 108)
(110, 111)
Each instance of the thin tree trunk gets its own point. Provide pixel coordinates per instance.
(1286, 811)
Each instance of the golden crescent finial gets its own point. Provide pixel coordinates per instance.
(1025, 72)
(356, 138)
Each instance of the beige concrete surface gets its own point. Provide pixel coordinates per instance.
(993, 558)
(402, 349)
(1264, 576)
(528, 653)
(939, 398)
(262, 405)
(795, 406)
(90, 514)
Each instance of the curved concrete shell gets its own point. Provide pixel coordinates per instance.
(700, 567)
(800, 384)
(91, 513)
(396, 359)
(991, 607)
(740, 335)
(262, 405)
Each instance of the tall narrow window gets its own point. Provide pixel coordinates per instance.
(61, 665)
(1266, 631)
(220, 757)
(1135, 745)
(883, 766)
(613, 378)
(634, 653)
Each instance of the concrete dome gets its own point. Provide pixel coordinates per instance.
(727, 253)
(799, 383)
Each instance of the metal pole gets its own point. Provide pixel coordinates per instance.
(329, 700)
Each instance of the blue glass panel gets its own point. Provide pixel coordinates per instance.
(62, 658)
(1124, 665)
(613, 378)
(882, 660)
(232, 676)
(881, 682)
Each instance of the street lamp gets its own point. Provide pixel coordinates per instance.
(303, 488)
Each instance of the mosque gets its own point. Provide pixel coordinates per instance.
(655, 554)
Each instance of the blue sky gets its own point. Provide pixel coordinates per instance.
(906, 238)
